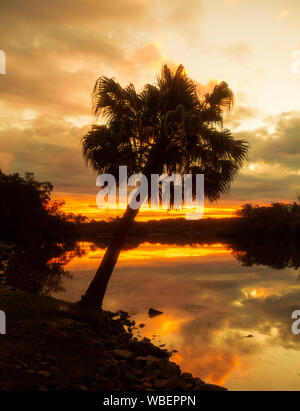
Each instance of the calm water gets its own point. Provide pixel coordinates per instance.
(230, 323)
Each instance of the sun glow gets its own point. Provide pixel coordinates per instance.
(154, 252)
(86, 205)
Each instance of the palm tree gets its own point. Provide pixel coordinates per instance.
(165, 128)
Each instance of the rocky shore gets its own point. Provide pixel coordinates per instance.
(54, 345)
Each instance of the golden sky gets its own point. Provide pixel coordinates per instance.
(56, 50)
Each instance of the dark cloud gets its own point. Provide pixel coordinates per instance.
(258, 187)
(241, 52)
(273, 172)
(185, 16)
(50, 149)
(239, 113)
(281, 146)
(56, 50)
(72, 11)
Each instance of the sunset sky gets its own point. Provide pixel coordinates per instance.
(56, 50)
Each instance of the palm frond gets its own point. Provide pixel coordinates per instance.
(166, 127)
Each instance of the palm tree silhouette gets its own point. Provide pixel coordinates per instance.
(165, 128)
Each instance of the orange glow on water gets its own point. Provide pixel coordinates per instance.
(217, 366)
(211, 307)
(146, 252)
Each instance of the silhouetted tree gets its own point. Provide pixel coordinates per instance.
(276, 220)
(27, 212)
(165, 128)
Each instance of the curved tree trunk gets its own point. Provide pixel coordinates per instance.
(94, 295)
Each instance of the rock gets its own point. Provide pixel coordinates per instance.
(142, 325)
(51, 359)
(138, 387)
(199, 381)
(186, 385)
(82, 387)
(187, 376)
(210, 387)
(156, 373)
(162, 383)
(130, 378)
(153, 313)
(151, 358)
(122, 354)
(146, 360)
(140, 360)
(249, 336)
(31, 371)
(110, 370)
(165, 364)
(44, 373)
(122, 363)
(55, 371)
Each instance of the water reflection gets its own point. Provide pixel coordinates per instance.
(39, 268)
(275, 254)
(227, 308)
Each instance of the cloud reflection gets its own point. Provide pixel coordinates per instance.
(211, 304)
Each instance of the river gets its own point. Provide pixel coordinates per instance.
(228, 315)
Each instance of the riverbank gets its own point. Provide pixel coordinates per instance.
(55, 345)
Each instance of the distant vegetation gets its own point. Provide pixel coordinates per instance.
(199, 229)
(44, 238)
(27, 212)
(276, 221)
